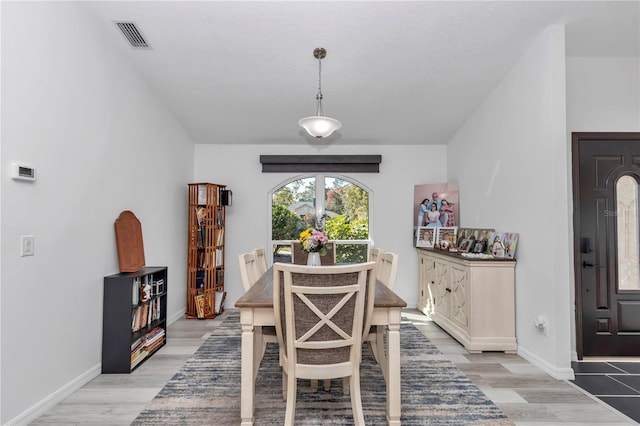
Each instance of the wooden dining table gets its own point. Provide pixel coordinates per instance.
(256, 310)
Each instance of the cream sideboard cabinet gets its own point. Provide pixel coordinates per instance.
(472, 299)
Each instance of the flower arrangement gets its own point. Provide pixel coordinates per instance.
(314, 241)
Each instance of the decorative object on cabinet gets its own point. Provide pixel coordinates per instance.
(205, 250)
(445, 237)
(471, 299)
(476, 235)
(134, 318)
(425, 237)
(503, 244)
(129, 242)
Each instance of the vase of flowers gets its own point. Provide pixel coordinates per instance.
(314, 242)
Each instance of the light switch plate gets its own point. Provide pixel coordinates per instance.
(27, 247)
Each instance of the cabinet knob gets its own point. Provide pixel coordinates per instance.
(448, 289)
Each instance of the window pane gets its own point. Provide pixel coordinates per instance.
(293, 208)
(627, 221)
(347, 210)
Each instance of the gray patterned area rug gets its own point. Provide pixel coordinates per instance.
(206, 391)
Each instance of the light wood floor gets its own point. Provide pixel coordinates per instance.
(525, 394)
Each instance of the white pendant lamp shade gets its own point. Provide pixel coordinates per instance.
(319, 126)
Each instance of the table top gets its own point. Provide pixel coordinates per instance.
(260, 295)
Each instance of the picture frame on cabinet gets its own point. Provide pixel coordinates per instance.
(466, 245)
(504, 244)
(448, 234)
(425, 236)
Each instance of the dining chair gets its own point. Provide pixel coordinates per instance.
(261, 260)
(250, 273)
(319, 316)
(374, 254)
(299, 256)
(386, 271)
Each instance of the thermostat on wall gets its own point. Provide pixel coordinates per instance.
(23, 171)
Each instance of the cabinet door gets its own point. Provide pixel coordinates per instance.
(440, 289)
(459, 286)
(423, 295)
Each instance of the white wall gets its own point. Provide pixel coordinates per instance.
(603, 95)
(510, 159)
(101, 143)
(248, 218)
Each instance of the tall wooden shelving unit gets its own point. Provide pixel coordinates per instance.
(205, 257)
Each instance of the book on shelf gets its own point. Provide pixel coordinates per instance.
(138, 358)
(208, 305)
(220, 296)
(200, 304)
(220, 237)
(219, 257)
(135, 291)
(219, 217)
(202, 194)
(144, 315)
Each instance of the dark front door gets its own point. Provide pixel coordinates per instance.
(606, 173)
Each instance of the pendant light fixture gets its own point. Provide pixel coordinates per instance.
(318, 125)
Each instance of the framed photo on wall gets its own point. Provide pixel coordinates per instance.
(425, 236)
(446, 205)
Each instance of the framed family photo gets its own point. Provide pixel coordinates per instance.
(425, 237)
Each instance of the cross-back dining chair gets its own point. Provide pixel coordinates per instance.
(250, 273)
(386, 271)
(299, 256)
(320, 315)
(261, 260)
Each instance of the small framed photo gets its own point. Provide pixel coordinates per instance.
(426, 236)
(466, 245)
(448, 234)
(504, 244)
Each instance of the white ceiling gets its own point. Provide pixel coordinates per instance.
(396, 72)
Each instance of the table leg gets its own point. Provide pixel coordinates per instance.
(247, 384)
(394, 400)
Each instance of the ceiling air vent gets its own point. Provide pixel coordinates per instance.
(133, 35)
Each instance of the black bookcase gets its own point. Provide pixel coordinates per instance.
(134, 318)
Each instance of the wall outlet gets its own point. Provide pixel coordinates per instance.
(541, 324)
(27, 245)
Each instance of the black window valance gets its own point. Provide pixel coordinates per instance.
(321, 163)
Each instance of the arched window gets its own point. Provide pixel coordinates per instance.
(337, 204)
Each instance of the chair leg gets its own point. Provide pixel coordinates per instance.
(345, 385)
(356, 400)
(284, 384)
(313, 384)
(290, 413)
(327, 384)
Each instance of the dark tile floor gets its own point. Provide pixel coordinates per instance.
(615, 383)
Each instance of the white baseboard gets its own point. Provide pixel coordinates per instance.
(56, 397)
(175, 317)
(556, 373)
